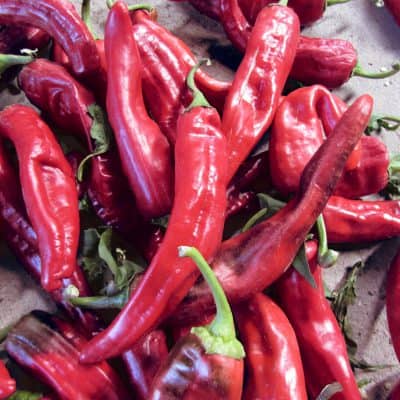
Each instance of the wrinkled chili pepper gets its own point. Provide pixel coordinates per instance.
(207, 363)
(273, 362)
(144, 151)
(51, 358)
(166, 62)
(322, 345)
(258, 83)
(242, 257)
(394, 7)
(197, 218)
(7, 384)
(67, 103)
(49, 192)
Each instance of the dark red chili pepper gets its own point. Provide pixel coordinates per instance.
(251, 8)
(273, 362)
(197, 218)
(394, 7)
(67, 103)
(13, 38)
(322, 345)
(395, 393)
(208, 7)
(239, 201)
(308, 11)
(144, 151)
(207, 363)
(166, 62)
(49, 192)
(278, 238)
(7, 384)
(54, 360)
(143, 361)
(258, 83)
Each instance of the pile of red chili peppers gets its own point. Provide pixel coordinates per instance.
(132, 130)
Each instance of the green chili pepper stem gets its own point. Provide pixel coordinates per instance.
(219, 337)
(333, 2)
(101, 302)
(394, 166)
(283, 3)
(133, 7)
(272, 203)
(110, 3)
(326, 256)
(9, 60)
(359, 71)
(85, 13)
(254, 219)
(199, 99)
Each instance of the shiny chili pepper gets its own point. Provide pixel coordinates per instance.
(258, 83)
(49, 192)
(322, 345)
(54, 360)
(7, 384)
(144, 151)
(273, 362)
(207, 363)
(143, 361)
(166, 62)
(239, 201)
(197, 218)
(394, 7)
(278, 238)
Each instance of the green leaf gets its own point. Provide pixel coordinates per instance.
(300, 264)
(392, 189)
(329, 390)
(24, 395)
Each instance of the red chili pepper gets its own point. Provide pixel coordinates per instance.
(394, 7)
(308, 11)
(210, 8)
(54, 360)
(144, 151)
(258, 83)
(7, 384)
(166, 62)
(49, 192)
(278, 238)
(395, 393)
(322, 345)
(273, 362)
(207, 363)
(13, 38)
(197, 218)
(143, 361)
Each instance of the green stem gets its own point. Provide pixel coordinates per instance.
(102, 302)
(255, 219)
(85, 13)
(219, 337)
(283, 3)
(110, 3)
(394, 166)
(359, 71)
(326, 256)
(199, 99)
(333, 2)
(146, 7)
(9, 60)
(270, 202)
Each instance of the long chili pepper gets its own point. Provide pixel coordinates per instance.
(68, 104)
(394, 7)
(144, 151)
(273, 362)
(54, 360)
(322, 345)
(278, 238)
(207, 363)
(166, 62)
(258, 83)
(49, 192)
(13, 38)
(7, 384)
(197, 218)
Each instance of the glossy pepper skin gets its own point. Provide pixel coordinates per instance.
(197, 218)
(322, 345)
(394, 7)
(273, 362)
(258, 83)
(49, 192)
(54, 360)
(144, 151)
(241, 258)
(166, 61)
(66, 103)
(7, 384)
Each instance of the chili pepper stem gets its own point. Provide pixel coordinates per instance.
(85, 12)
(359, 71)
(394, 166)
(101, 302)
(283, 3)
(9, 60)
(333, 2)
(219, 337)
(133, 7)
(326, 256)
(199, 99)
(255, 218)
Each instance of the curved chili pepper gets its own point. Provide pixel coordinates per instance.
(258, 83)
(55, 361)
(16, 37)
(49, 192)
(207, 363)
(394, 7)
(166, 62)
(197, 218)
(278, 238)
(144, 151)
(7, 384)
(322, 345)
(273, 362)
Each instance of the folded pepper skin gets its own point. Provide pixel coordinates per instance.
(274, 370)
(7, 384)
(241, 258)
(144, 150)
(197, 218)
(259, 81)
(49, 192)
(322, 345)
